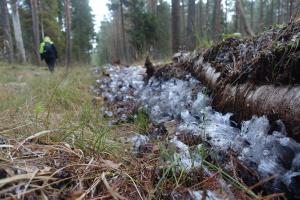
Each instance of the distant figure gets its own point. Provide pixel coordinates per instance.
(48, 52)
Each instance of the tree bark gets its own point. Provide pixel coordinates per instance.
(278, 11)
(190, 32)
(291, 8)
(7, 31)
(68, 23)
(175, 25)
(261, 15)
(252, 14)
(123, 32)
(18, 31)
(200, 19)
(246, 25)
(182, 34)
(207, 23)
(271, 12)
(217, 21)
(247, 99)
(36, 30)
(237, 17)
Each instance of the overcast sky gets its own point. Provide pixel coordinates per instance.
(100, 10)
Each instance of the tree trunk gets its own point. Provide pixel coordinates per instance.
(207, 23)
(68, 24)
(246, 25)
(291, 8)
(175, 25)
(200, 18)
(278, 11)
(36, 30)
(287, 13)
(182, 25)
(252, 14)
(190, 32)
(247, 99)
(8, 41)
(261, 15)
(271, 12)
(237, 17)
(217, 21)
(18, 31)
(123, 32)
(41, 21)
(226, 17)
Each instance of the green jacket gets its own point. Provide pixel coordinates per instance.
(46, 40)
(48, 49)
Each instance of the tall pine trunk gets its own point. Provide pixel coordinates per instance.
(217, 19)
(245, 22)
(261, 15)
(182, 25)
(207, 23)
(18, 31)
(123, 32)
(68, 23)
(175, 25)
(237, 17)
(190, 32)
(271, 13)
(291, 8)
(35, 30)
(7, 31)
(278, 11)
(252, 14)
(200, 18)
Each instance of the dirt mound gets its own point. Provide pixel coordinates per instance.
(270, 58)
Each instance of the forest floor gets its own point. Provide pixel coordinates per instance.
(55, 144)
(49, 126)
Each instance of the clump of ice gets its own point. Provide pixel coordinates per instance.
(137, 141)
(184, 100)
(208, 195)
(184, 157)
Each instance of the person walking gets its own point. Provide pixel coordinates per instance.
(48, 53)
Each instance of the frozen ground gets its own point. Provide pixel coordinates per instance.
(185, 100)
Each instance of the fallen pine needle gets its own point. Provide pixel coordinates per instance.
(114, 194)
(39, 134)
(23, 177)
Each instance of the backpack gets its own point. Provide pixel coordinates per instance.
(47, 48)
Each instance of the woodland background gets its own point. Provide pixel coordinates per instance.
(133, 28)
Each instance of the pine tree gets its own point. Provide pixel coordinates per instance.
(143, 30)
(68, 32)
(163, 44)
(217, 19)
(82, 30)
(7, 31)
(175, 25)
(191, 39)
(244, 20)
(35, 30)
(18, 31)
